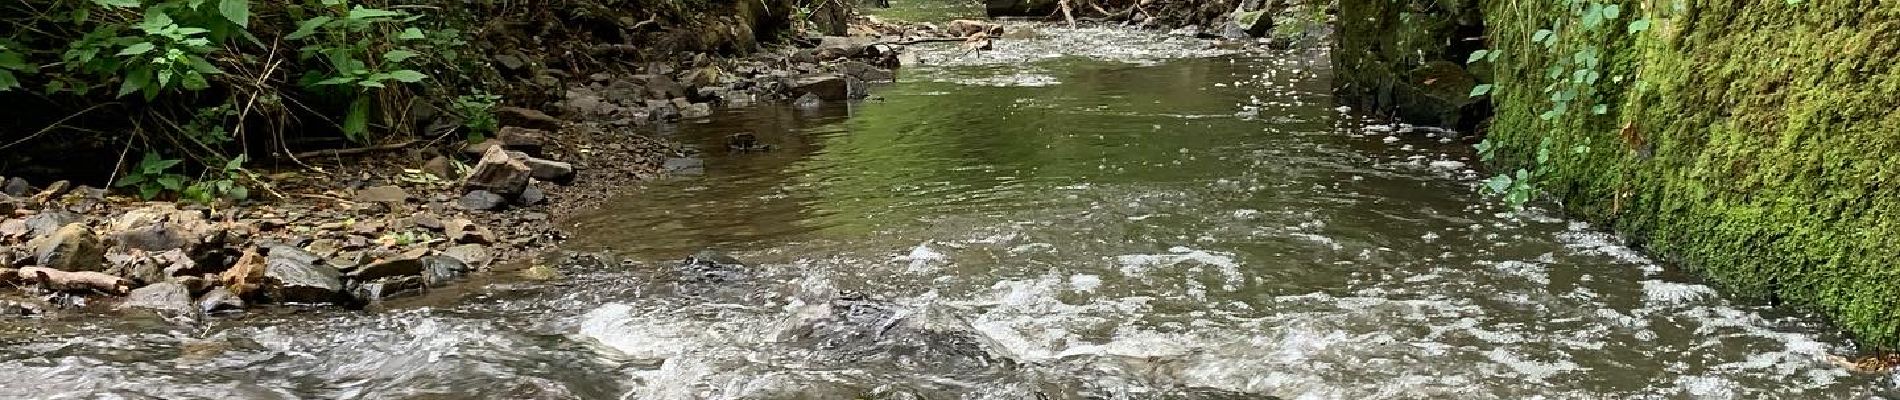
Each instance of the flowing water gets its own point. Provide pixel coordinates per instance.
(1089, 214)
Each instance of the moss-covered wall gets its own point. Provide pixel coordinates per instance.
(1404, 57)
(1753, 141)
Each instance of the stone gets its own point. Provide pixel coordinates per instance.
(470, 254)
(438, 271)
(386, 288)
(696, 110)
(523, 139)
(527, 118)
(481, 148)
(1248, 24)
(510, 61)
(219, 300)
(531, 196)
(965, 27)
(440, 167)
(498, 172)
(161, 228)
(45, 223)
(662, 87)
(16, 187)
(386, 194)
(808, 102)
(397, 266)
(295, 276)
(549, 170)
(824, 86)
(427, 221)
(465, 231)
(162, 296)
(867, 72)
(540, 272)
(684, 165)
(70, 248)
(481, 200)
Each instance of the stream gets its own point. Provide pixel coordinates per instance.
(1087, 214)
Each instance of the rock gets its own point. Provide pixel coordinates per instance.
(465, 231)
(245, 275)
(498, 172)
(510, 61)
(295, 276)
(162, 296)
(1248, 24)
(531, 196)
(470, 254)
(16, 187)
(540, 273)
(71, 248)
(45, 223)
(161, 228)
(440, 167)
(386, 288)
(527, 118)
(662, 110)
(219, 299)
(523, 139)
(13, 229)
(824, 86)
(139, 267)
(965, 27)
(398, 266)
(867, 72)
(662, 87)
(696, 110)
(480, 149)
(481, 200)
(835, 47)
(52, 192)
(549, 170)
(808, 102)
(709, 266)
(382, 194)
(438, 271)
(427, 221)
(684, 165)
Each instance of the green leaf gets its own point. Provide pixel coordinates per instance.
(359, 13)
(155, 20)
(117, 3)
(1498, 184)
(341, 80)
(1600, 109)
(236, 11)
(1612, 11)
(171, 182)
(309, 27)
(356, 123)
(235, 163)
(194, 81)
(407, 76)
(8, 81)
(1493, 57)
(129, 180)
(204, 67)
(1477, 55)
(13, 61)
(1541, 35)
(136, 81)
(148, 192)
(398, 55)
(1480, 90)
(411, 34)
(1638, 26)
(238, 193)
(137, 49)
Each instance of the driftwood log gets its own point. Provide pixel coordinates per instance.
(75, 281)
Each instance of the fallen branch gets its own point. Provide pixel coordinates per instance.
(353, 151)
(75, 281)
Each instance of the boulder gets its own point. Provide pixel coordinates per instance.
(498, 172)
(162, 296)
(16, 187)
(295, 276)
(161, 227)
(70, 248)
(867, 72)
(527, 118)
(398, 266)
(45, 223)
(549, 170)
(386, 288)
(824, 86)
(965, 27)
(532, 195)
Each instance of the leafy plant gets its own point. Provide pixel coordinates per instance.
(153, 177)
(478, 114)
(362, 50)
(227, 185)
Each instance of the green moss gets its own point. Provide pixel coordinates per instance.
(1750, 141)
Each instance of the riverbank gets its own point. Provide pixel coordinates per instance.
(1745, 141)
(355, 226)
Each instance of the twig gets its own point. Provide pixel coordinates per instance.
(355, 150)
